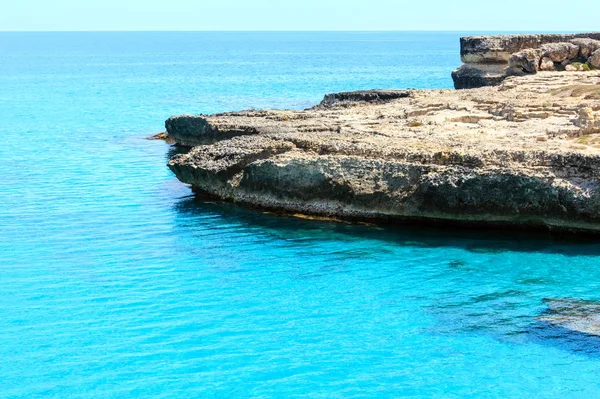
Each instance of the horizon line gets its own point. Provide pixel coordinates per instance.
(287, 30)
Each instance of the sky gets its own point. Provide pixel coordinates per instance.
(457, 15)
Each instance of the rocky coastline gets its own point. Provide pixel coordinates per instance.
(524, 153)
(488, 60)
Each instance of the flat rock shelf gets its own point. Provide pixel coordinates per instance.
(525, 154)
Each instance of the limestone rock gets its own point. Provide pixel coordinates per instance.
(210, 167)
(527, 60)
(586, 118)
(364, 95)
(586, 46)
(558, 52)
(498, 49)
(469, 76)
(190, 130)
(508, 55)
(594, 59)
(471, 157)
(546, 64)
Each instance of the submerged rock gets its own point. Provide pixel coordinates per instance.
(162, 136)
(520, 154)
(574, 315)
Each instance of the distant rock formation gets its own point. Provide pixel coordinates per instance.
(488, 60)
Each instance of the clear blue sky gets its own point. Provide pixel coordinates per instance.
(519, 15)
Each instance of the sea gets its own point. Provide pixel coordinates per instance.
(115, 282)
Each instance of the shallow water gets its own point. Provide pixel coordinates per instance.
(116, 282)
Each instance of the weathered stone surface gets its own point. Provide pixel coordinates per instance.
(364, 95)
(559, 52)
(472, 156)
(528, 60)
(498, 49)
(523, 53)
(211, 167)
(546, 64)
(190, 130)
(574, 315)
(586, 46)
(594, 59)
(470, 76)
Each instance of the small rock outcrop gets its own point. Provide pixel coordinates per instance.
(470, 76)
(190, 130)
(523, 154)
(364, 95)
(488, 60)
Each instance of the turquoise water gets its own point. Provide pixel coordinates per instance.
(116, 283)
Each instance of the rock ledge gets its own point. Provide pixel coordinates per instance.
(522, 154)
(488, 60)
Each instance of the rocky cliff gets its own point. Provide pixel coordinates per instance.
(525, 153)
(488, 60)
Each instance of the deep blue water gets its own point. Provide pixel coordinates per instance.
(116, 283)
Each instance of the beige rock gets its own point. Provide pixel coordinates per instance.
(558, 52)
(594, 60)
(586, 118)
(528, 60)
(586, 46)
(469, 156)
(495, 49)
(571, 68)
(546, 64)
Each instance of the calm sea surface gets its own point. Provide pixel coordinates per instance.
(116, 283)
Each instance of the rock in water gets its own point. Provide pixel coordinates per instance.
(574, 315)
(190, 130)
(523, 154)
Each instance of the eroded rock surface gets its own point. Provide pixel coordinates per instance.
(525, 153)
(488, 60)
(498, 49)
(364, 95)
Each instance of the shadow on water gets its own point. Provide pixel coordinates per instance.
(505, 314)
(471, 239)
(545, 333)
(176, 150)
